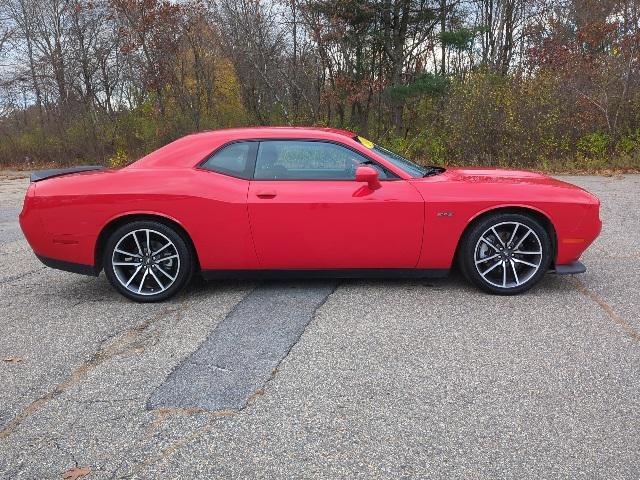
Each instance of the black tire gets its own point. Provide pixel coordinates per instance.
(495, 254)
(179, 267)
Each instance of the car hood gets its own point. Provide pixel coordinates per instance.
(499, 175)
(501, 183)
(504, 176)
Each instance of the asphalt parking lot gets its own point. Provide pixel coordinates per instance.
(362, 379)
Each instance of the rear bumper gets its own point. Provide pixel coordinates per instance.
(570, 268)
(69, 266)
(70, 252)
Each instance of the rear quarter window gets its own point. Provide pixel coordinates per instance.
(233, 160)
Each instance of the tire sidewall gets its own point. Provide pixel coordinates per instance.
(473, 236)
(184, 252)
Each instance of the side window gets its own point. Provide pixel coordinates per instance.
(307, 160)
(232, 160)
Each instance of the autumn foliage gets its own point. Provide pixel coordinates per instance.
(536, 83)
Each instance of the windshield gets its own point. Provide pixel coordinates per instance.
(399, 161)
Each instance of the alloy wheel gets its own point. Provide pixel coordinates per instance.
(145, 262)
(508, 254)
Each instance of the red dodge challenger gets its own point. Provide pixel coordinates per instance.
(302, 202)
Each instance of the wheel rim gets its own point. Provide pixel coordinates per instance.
(508, 254)
(145, 262)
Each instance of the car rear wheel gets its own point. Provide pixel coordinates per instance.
(147, 261)
(506, 253)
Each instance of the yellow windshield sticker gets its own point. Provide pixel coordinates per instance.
(365, 142)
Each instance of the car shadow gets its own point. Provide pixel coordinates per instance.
(72, 288)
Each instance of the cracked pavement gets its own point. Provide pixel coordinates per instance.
(389, 379)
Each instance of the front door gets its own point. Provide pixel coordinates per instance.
(306, 210)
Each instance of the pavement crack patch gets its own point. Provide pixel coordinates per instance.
(314, 300)
(127, 341)
(244, 349)
(626, 326)
(261, 391)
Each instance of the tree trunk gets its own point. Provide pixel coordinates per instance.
(443, 27)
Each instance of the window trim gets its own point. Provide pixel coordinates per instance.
(249, 169)
(392, 175)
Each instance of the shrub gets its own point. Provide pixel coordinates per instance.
(594, 145)
(119, 159)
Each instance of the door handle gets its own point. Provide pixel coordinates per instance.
(266, 194)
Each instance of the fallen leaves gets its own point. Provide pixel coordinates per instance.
(13, 360)
(76, 473)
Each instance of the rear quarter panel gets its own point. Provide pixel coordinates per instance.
(211, 207)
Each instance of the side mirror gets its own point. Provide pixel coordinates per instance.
(368, 175)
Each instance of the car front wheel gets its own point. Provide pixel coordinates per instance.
(147, 261)
(506, 253)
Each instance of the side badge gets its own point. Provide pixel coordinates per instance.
(444, 214)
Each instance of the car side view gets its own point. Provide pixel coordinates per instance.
(285, 201)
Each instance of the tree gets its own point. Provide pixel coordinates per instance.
(150, 30)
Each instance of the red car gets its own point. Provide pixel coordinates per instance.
(302, 201)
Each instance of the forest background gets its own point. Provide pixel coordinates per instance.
(544, 84)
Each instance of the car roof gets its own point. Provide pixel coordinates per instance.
(281, 132)
(188, 150)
